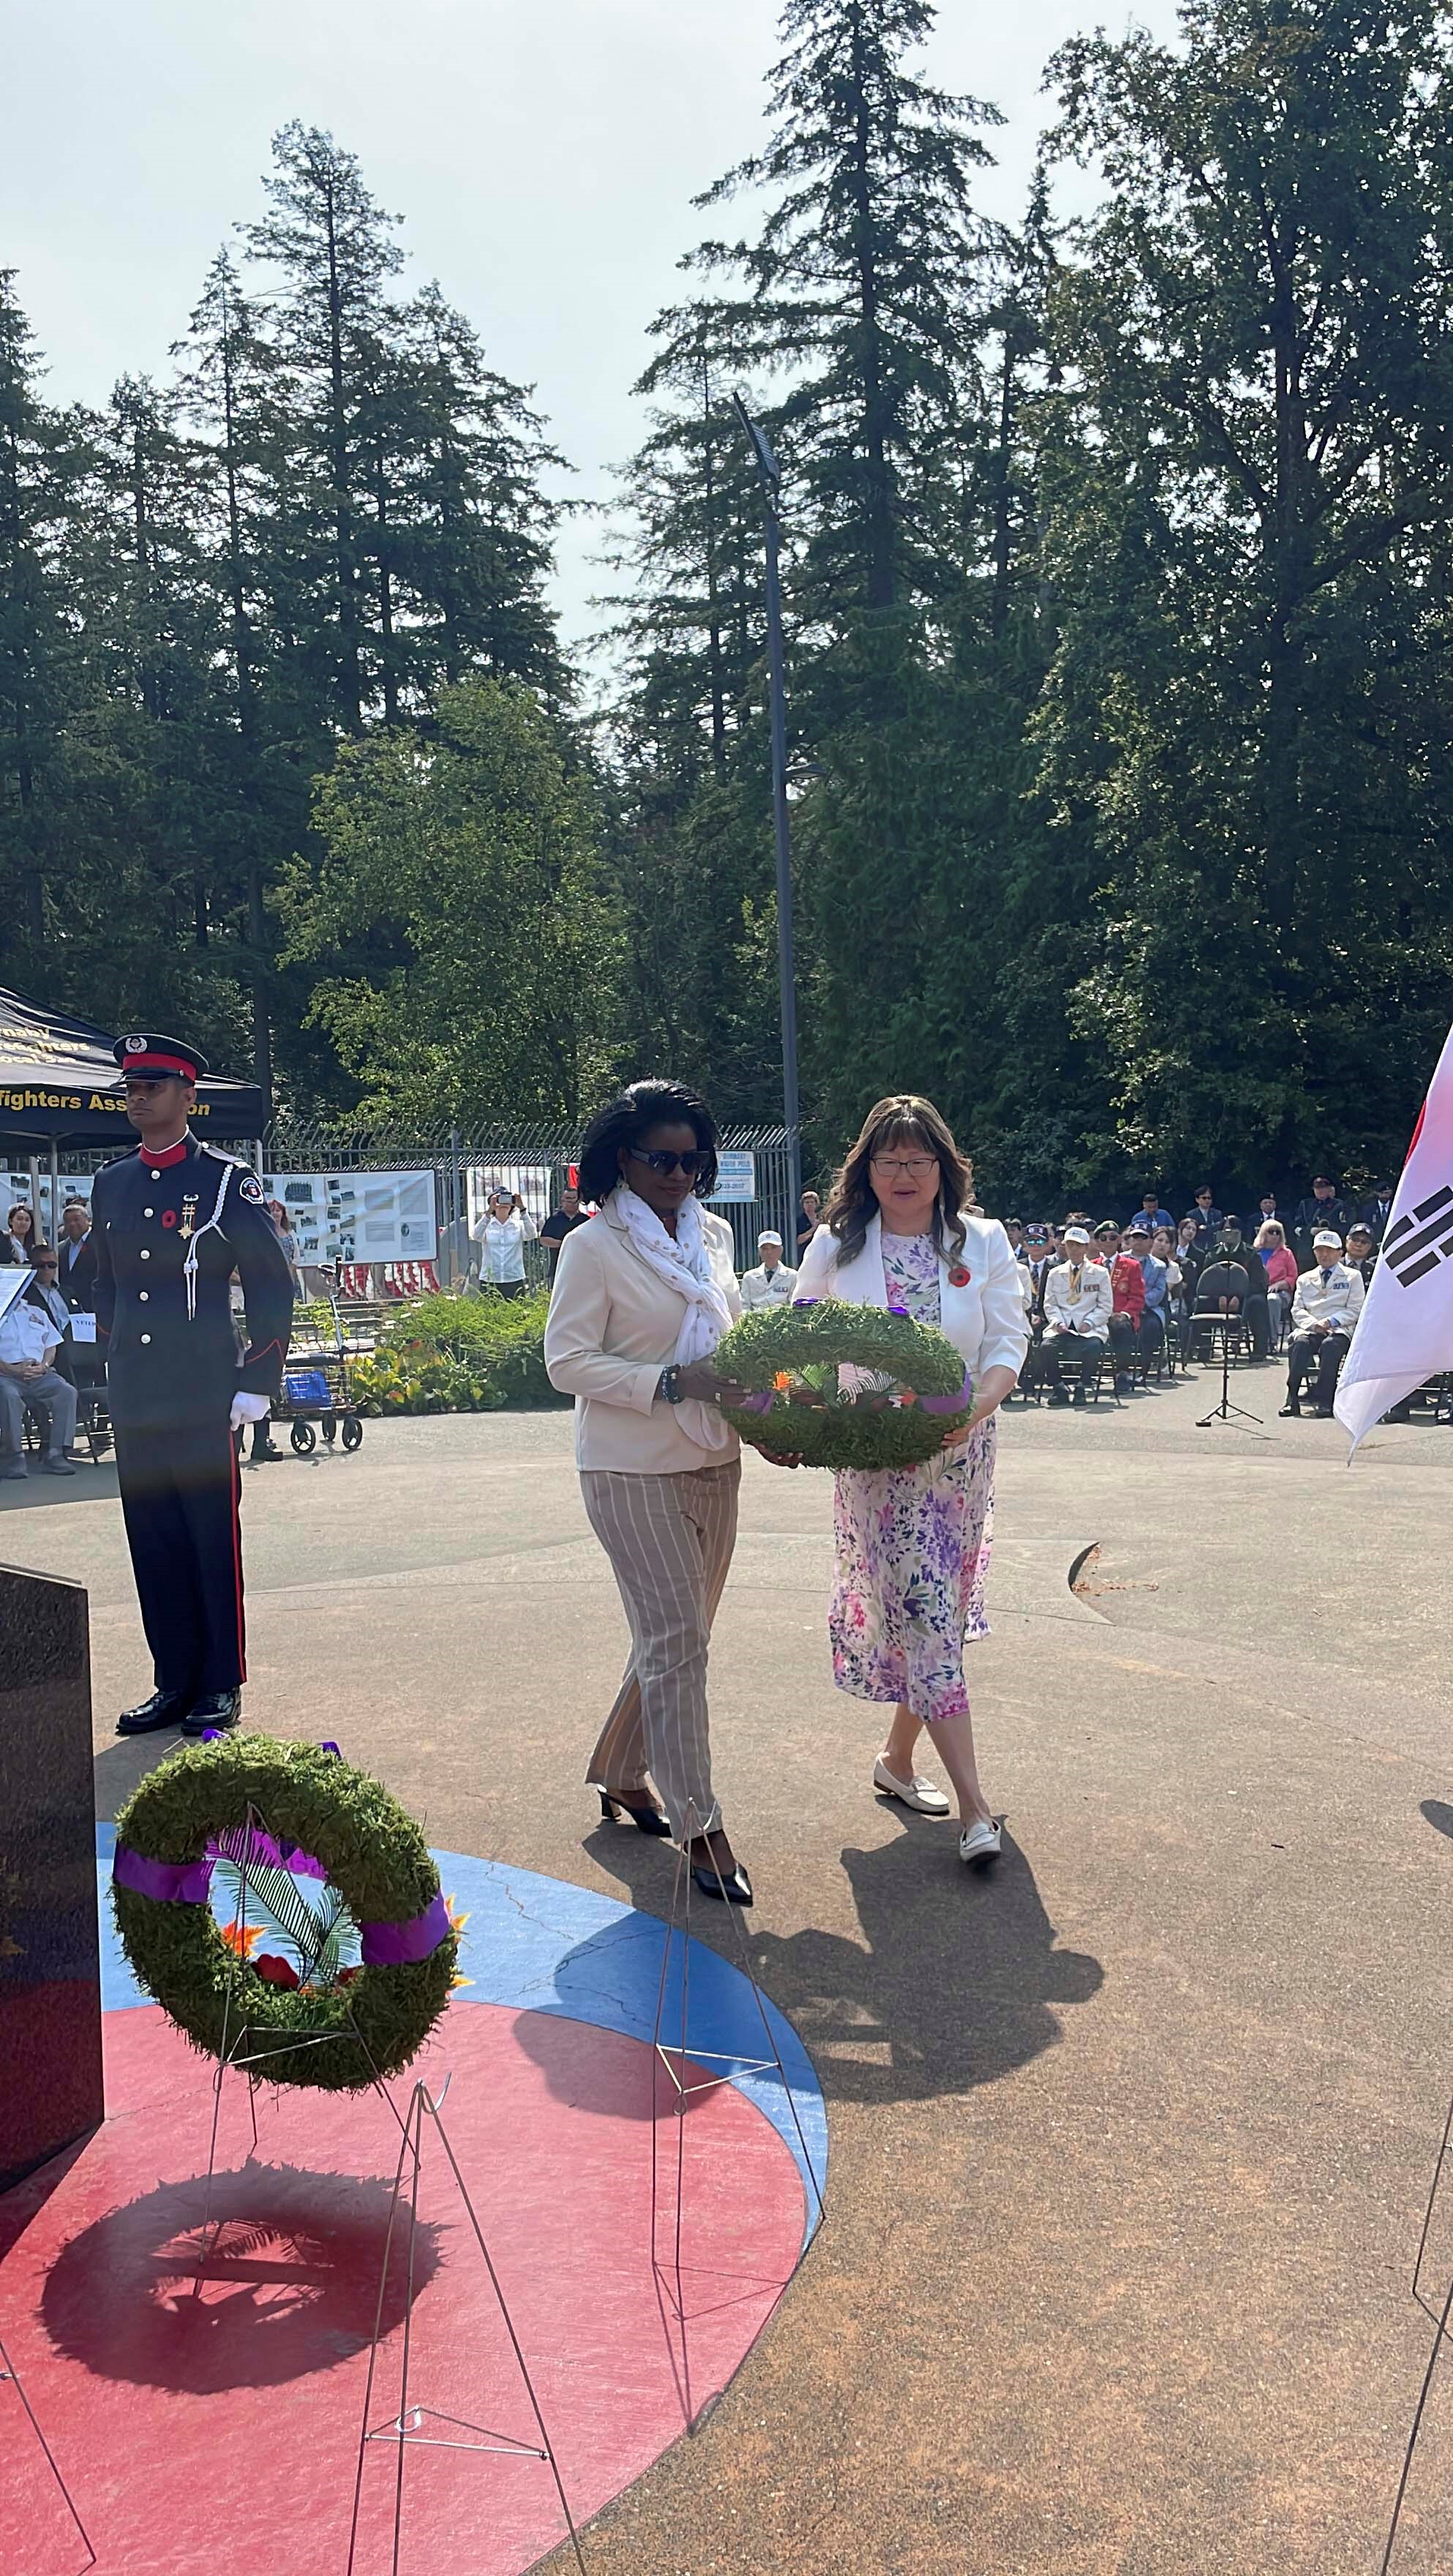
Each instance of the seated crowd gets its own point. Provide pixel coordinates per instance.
(44, 1369)
(1095, 1294)
(1099, 1294)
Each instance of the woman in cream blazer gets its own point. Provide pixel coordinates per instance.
(912, 1546)
(642, 1295)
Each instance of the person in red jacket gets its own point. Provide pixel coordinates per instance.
(1127, 1290)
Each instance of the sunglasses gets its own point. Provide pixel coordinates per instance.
(666, 1164)
(47, 1265)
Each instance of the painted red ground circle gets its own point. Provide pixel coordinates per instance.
(193, 2426)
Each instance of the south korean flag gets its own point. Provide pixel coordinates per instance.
(1404, 1333)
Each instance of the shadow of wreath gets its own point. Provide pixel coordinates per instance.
(290, 2284)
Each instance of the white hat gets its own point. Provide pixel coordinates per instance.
(1325, 1235)
(769, 1236)
(1076, 1234)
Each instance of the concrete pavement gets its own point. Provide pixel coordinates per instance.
(1131, 2139)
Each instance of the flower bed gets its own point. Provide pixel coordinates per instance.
(458, 1355)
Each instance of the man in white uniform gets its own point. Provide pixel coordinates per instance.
(29, 1381)
(1325, 1308)
(771, 1283)
(1078, 1300)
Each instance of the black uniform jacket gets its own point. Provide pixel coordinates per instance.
(162, 1366)
(76, 1275)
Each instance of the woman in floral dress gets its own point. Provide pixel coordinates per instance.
(912, 1544)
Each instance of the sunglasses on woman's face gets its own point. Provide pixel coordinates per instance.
(666, 1164)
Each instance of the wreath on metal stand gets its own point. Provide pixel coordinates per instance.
(906, 1384)
(324, 1865)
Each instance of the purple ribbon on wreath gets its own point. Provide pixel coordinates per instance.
(188, 1882)
(949, 1403)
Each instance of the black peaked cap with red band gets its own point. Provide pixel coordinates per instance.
(143, 1053)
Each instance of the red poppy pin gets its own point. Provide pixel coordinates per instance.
(959, 1277)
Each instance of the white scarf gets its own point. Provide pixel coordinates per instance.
(683, 1261)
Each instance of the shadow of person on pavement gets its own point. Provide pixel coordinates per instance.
(954, 1984)
(121, 1767)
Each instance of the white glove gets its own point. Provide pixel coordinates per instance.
(249, 1408)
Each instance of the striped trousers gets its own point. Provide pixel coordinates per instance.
(670, 1541)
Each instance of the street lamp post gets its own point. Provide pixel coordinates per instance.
(771, 477)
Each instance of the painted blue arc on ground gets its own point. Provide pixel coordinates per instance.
(538, 1944)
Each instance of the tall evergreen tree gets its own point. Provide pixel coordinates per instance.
(865, 282)
(332, 248)
(39, 474)
(1253, 489)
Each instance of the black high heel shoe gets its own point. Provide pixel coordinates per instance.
(648, 1820)
(733, 1883)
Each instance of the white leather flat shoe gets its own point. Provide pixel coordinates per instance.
(920, 1795)
(979, 1842)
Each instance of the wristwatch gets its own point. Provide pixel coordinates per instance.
(668, 1387)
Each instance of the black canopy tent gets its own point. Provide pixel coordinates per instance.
(58, 1081)
(58, 1091)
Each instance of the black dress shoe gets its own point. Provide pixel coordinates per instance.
(733, 1884)
(218, 1708)
(648, 1820)
(1291, 1411)
(164, 1708)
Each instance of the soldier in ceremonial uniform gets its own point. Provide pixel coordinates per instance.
(171, 1222)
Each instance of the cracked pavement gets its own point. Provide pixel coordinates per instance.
(1132, 2139)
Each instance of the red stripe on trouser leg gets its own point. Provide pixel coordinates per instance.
(237, 1559)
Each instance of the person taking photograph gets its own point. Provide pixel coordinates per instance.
(502, 1234)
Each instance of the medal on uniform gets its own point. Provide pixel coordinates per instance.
(189, 1210)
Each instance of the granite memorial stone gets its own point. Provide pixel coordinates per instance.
(50, 1965)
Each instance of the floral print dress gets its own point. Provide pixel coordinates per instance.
(912, 1546)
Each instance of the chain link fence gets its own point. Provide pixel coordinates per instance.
(536, 1161)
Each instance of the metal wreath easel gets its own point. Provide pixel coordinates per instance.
(1440, 2336)
(9, 2374)
(678, 2058)
(405, 2428)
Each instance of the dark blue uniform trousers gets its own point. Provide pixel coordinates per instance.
(179, 1497)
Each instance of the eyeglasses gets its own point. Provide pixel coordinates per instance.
(666, 1164)
(47, 1265)
(916, 1166)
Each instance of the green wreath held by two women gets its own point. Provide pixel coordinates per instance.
(790, 1357)
(316, 1861)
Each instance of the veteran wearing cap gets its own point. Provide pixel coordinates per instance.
(170, 1224)
(771, 1283)
(1078, 1303)
(1325, 1308)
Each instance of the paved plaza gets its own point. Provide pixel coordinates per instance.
(1131, 2139)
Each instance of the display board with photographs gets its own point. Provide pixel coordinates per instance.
(359, 1216)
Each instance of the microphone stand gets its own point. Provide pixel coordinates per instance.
(1224, 1411)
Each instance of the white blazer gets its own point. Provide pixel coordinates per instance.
(984, 1319)
(613, 1326)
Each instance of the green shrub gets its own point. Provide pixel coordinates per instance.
(458, 1355)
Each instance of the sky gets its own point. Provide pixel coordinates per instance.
(543, 152)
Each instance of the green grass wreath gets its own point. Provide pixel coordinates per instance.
(340, 1939)
(790, 1357)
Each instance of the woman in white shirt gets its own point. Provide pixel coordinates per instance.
(912, 1545)
(502, 1234)
(642, 1296)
